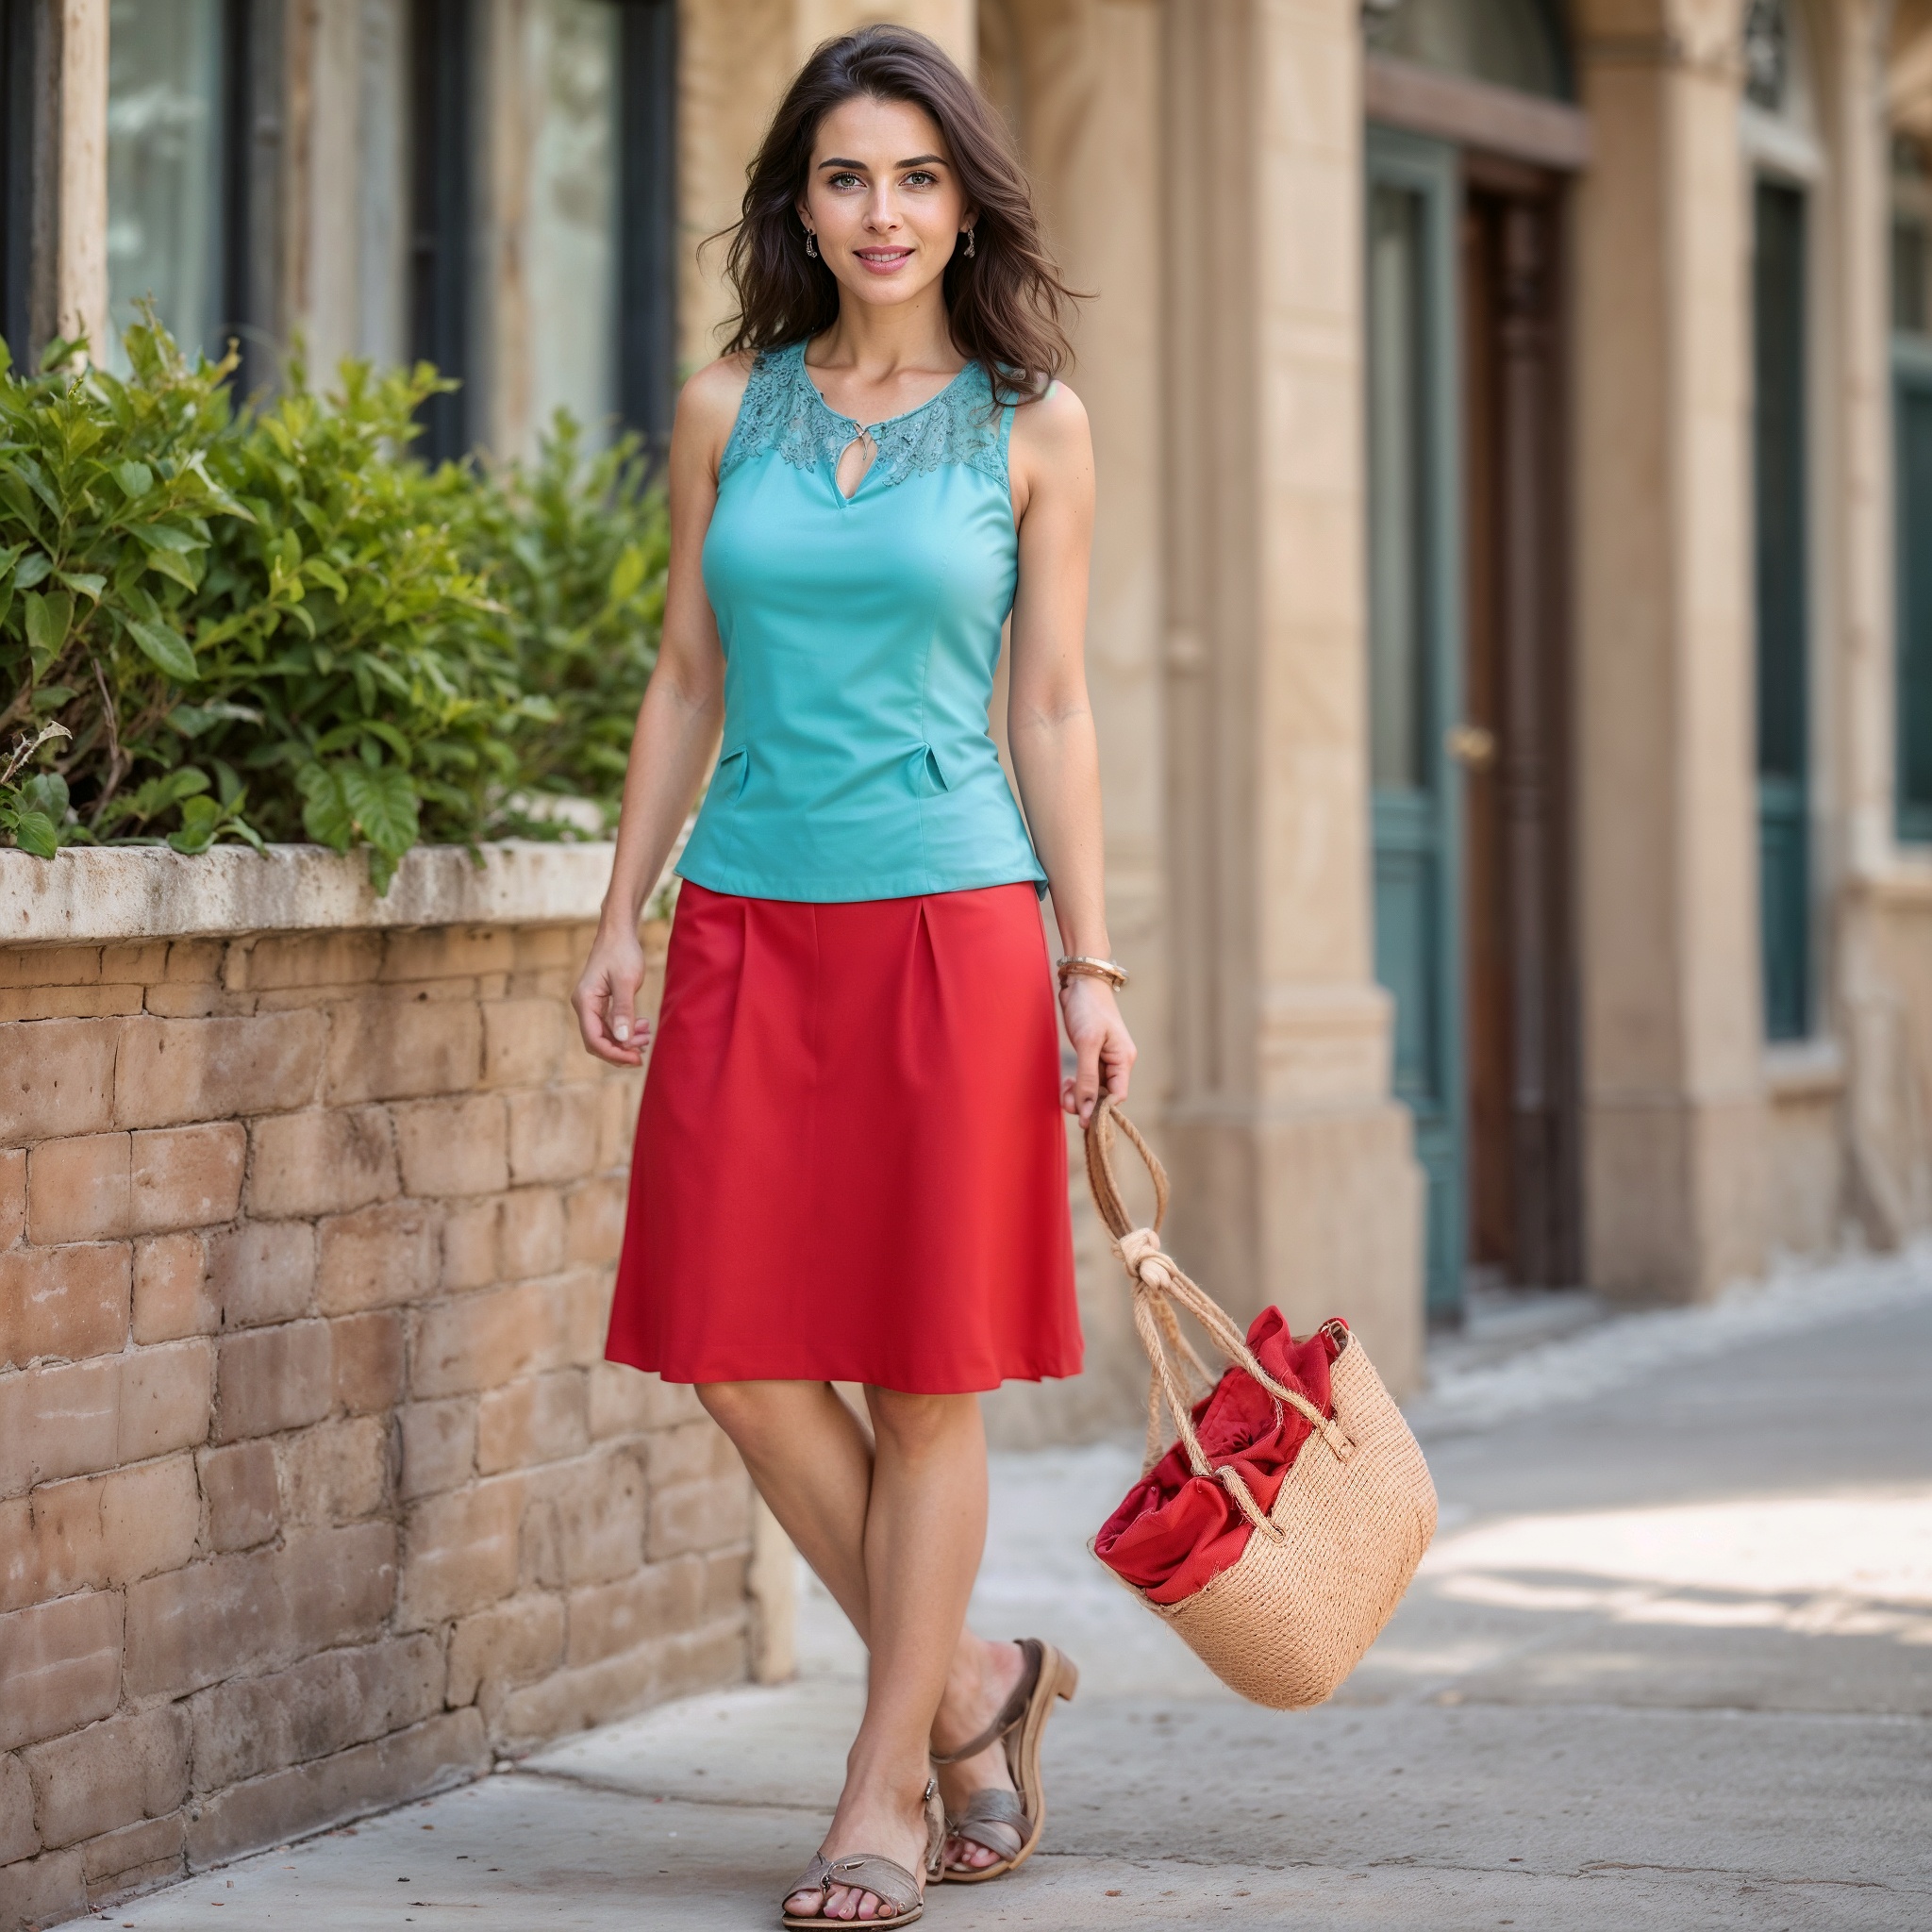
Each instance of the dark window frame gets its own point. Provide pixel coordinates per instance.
(250, 163)
(646, 322)
(1781, 578)
(1912, 501)
(443, 81)
(29, 35)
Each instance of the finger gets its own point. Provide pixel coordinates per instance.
(620, 1008)
(1120, 1063)
(1087, 1077)
(596, 1036)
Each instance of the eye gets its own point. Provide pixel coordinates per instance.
(922, 177)
(845, 181)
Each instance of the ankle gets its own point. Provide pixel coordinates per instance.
(979, 1665)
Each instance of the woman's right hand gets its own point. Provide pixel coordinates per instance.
(606, 997)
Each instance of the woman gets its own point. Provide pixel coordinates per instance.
(850, 1164)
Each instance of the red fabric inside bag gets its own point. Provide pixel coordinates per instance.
(1176, 1529)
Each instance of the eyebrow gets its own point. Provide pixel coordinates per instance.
(916, 161)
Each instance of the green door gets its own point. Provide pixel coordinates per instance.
(1415, 655)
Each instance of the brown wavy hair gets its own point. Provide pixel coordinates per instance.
(1005, 303)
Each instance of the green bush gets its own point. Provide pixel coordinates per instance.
(270, 624)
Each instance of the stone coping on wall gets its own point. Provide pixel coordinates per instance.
(101, 895)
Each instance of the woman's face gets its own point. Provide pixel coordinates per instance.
(883, 199)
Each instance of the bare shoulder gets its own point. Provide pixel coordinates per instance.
(1054, 427)
(1051, 454)
(708, 404)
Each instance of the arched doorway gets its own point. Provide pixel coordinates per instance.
(1471, 143)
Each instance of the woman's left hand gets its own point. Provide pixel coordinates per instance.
(1105, 1049)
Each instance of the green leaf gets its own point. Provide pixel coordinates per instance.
(166, 649)
(201, 819)
(46, 793)
(191, 720)
(33, 831)
(136, 479)
(382, 870)
(166, 536)
(86, 582)
(384, 804)
(166, 563)
(50, 697)
(48, 620)
(629, 576)
(326, 815)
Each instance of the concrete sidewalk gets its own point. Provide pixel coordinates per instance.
(1669, 1664)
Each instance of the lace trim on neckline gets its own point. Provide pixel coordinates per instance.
(783, 411)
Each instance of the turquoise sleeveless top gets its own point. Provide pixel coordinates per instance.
(860, 637)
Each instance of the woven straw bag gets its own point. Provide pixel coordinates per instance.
(1328, 1565)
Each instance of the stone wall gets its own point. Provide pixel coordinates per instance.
(315, 1491)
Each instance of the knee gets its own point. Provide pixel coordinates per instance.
(915, 1425)
(742, 1410)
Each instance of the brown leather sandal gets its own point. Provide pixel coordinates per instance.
(887, 1879)
(1009, 1824)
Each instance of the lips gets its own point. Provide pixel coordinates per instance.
(883, 261)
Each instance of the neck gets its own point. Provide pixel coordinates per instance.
(880, 343)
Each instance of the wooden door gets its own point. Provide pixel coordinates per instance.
(1523, 1154)
(1415, 650)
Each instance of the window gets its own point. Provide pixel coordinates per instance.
(165, 205)
(1513, 43)
(194, 125)
(1911, 359)
(1778, 339)
(558, 292)
(574, 55)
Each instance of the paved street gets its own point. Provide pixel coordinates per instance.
(1669, 1665)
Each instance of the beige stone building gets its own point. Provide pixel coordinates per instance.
(1512, 616)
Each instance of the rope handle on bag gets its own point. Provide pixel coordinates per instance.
(1159, 1288)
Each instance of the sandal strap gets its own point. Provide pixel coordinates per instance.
(814, 1877)
(1010, 1712)
(995, 1819)
(883, 1877)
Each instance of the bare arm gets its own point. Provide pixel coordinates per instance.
(1050, 723)
(678, 723)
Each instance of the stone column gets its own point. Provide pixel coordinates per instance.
(1296, 1182)
(1080, 80)
(951, 23)
(733, 61)
(80, 267)
(1881, 927)
(1674, 1085)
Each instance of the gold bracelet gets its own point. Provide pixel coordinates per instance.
(1109, 970)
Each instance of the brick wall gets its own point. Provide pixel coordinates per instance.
(315, 1491)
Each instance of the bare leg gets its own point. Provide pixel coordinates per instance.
(810, 1459)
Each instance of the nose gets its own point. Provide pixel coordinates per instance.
(881, 214)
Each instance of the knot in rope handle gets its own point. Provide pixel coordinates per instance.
(1138, 1248)
(1159, 1288)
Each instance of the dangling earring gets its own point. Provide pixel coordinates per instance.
(812, 244)
(969, 244)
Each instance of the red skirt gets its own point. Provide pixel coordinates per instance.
(851, 1161)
